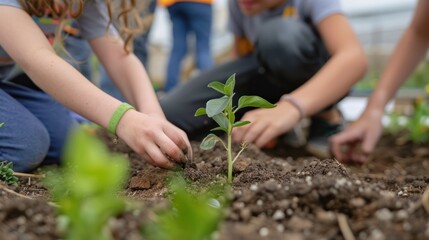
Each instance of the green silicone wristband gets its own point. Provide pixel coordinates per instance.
(117, 115)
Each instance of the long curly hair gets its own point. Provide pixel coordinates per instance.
(125, 14)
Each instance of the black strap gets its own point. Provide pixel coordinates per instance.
(23, 80)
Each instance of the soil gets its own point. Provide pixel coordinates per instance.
(282, 193)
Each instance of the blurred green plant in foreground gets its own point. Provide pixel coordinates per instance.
(86, 187)
(192, 215)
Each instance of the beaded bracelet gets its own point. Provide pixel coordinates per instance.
(117, 115)
(295, 103)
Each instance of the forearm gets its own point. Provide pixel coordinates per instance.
(407, 55)
(128, 73)
(131, 78)
(333, 81)
(69, 87)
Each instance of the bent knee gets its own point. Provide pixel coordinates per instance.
(27, 149)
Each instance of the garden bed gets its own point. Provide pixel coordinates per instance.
(282, 193)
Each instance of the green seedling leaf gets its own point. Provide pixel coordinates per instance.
(218, 86)
(216, 106)
(253, 101)
(222, 121)
(1, 124)
(200, 112)
(241, 123)
(209, 142)
(229, 86)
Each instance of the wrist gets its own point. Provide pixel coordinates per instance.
(117, 116)
(295, 103)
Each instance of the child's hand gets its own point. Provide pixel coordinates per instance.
(266, 124)
(357, 142)
(155, 139)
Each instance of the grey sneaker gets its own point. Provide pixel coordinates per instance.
(319, 132)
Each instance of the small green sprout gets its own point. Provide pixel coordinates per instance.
(191, 215)
(87, 187)
(6, 174)
(417, 125)
(222, 111)
(1, 124)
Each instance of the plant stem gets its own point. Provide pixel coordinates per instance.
(230, 162)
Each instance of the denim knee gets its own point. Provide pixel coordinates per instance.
(26, 147)
(290, 50)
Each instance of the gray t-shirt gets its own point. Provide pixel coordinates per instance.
(312, 10)
(92, 24)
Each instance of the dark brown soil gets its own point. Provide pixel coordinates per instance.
(278, 194)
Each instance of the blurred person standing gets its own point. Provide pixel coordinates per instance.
(188, 16)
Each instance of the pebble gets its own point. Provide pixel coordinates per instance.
(283, 204)
(263, 232)
(259, 202)
(238, 205)
(340, 182)
(402, 194)
(326, 216)
(402, 214)
(406, 226)
(278, 215)
(245, 214)
(21, 220)
(254, 187)
(384, 214)
(271, 185)
(376, 234)
(357, 202)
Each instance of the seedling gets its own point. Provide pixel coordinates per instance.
(6, 174)
(191, 215)
(417, 124)
(87, 187)
(222, 111)
(1, 124)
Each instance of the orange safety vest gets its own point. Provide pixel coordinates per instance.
(167, 3)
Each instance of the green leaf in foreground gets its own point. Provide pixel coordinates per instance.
(87, 187)
(192, 214)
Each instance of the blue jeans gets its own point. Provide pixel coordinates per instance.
(186, 18)
(35, 127)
